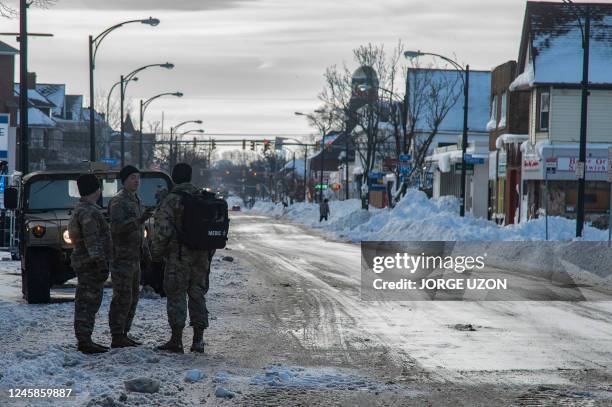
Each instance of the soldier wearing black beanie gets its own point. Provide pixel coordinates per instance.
(87, 184)
(181, 173)
(127, 171)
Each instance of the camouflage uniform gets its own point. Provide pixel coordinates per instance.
(186, 271)
(125, 212)
(92, 249)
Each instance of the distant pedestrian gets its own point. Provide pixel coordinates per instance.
(323, 210)
(91, 237)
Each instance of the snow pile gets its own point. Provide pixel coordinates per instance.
(416, 217)
(281, 376)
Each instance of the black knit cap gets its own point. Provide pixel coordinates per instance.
(181, 173)
(88, 184)
(127, 171)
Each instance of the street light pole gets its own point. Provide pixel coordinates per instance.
(23, 86)
(583, 121)
(122, 125)
(464, 139)
(143, 108)
(94, 44)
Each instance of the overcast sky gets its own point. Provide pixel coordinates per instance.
(246, 66)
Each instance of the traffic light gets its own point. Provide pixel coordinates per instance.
(213, 144)
(244, 144)
(266, 143)
(252, 145)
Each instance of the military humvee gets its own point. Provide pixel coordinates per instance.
(43, 204)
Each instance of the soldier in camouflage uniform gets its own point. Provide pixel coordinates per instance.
(186, 272)
(127, 216)
(92, 250)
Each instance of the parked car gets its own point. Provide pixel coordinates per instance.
(236, 208)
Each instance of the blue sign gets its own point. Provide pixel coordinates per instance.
(111, 161)
(471, 160)
(404, 169)
(2, 184)
(405, 157)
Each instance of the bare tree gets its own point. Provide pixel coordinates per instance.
(433, 92)
(10, 10)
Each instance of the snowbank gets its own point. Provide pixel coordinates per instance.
(418, 218)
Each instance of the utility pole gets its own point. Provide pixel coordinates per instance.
(122, 126)
(305, 172)
(464, 139)
(581, 170)
(23, 87)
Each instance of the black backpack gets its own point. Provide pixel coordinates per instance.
(205, 221)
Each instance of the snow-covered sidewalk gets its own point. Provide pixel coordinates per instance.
(418, 218)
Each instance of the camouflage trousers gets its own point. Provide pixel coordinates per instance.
(125, 276)
(186, 285)
(89, 291)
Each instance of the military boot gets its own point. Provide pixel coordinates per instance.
(133, 340)
(198, 343)
(121, 341)
(90, 347)
(175, 344)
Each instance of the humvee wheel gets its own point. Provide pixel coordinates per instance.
(36, 276)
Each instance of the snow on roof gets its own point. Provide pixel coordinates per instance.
(509, 139)
(444, 159)
(55, 93)
(542, 145)
(38, 118)
(479, 97)
(552, 36)
(34, 97)
(299, 166)
(524, 80)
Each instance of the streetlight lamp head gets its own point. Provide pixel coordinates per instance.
(298, 113)
(198, 121)
(151, 21)
(412, 54)
(178, 94)
(135, 79)
(167, 65)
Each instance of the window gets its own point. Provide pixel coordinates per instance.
(504, 105)
(544, 110)
(492, 124)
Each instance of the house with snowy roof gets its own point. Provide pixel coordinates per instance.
(442, 152)
(550, 67)
(508, 129)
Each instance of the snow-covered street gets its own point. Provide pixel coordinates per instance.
(289, 327)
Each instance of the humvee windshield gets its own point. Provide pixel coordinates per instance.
(48, 194)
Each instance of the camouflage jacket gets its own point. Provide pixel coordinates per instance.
(90, 234)
(168, 217)
(125, 211)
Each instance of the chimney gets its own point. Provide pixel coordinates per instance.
(31, 80)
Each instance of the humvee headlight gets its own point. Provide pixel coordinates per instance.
(66, 237)
(39, 230)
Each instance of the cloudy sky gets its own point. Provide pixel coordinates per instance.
(246, 66)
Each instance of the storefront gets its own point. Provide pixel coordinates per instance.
(549, 181)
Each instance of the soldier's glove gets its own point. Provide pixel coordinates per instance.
(146, 215)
